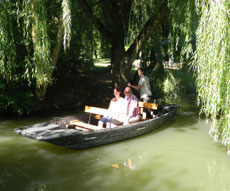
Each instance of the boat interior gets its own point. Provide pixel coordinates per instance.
(88, 121)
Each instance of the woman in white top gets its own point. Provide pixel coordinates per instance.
(116, 111)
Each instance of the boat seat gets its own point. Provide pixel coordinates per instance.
(80, 124)
(80, 128)
(95, 110)
(153, 106)
(142, 105)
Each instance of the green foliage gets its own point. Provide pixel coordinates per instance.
(41, 43)
(212, 59)
(179, 83)
(174, 39)
(171, 84)
(183, 24)
(33, 21)
(82, 41)
(157, 78)
(153, 50)
(28, 31)
(7, 45)
(16, 98)
(140, 12)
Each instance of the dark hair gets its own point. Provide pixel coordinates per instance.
(141, 69)
(118, 89)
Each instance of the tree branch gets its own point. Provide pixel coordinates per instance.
(101, 27)
(153, 22)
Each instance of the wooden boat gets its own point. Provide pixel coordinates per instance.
(75, 133)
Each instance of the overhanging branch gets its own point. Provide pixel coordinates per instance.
(96, 21)
(153, 22)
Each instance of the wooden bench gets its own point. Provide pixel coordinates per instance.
(153, 106)
(80, 124)
(95, 110)
(142, 105)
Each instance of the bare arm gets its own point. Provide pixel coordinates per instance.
(135, 87)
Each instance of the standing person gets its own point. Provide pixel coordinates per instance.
(145, 90)
(116, 111)
(143, 86)
(131, 110)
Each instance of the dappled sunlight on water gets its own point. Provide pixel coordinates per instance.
(180, 156)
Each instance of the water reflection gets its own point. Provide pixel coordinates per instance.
(180, 156)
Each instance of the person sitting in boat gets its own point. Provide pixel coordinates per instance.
(116, 111)
(131, 110)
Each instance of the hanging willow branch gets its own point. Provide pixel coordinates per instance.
(140, 12)
(66, 17)
(182, 29)
(181, 25)
(25, 29)
(41, 42)
(25, 14)
(212, 59)
(7, 44)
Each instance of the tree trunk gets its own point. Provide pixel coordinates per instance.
(122, 61)
(117, 41)
(116, 61)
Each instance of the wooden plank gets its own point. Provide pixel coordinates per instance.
(148, 105)
(80, 128)
(74, 121)
(96, 110)
(86, 125)
(72, 126)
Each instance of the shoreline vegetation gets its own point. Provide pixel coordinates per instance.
(93, 86)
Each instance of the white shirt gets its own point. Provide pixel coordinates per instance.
(117, 109)
(145, 87)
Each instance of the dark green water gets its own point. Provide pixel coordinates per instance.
(180, 156)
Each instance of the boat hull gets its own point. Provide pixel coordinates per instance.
(57, 134)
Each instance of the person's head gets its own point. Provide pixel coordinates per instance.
(139, 71)
(116, 91)
(128, 91)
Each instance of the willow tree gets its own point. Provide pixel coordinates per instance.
(212, 63)
(36, 21)
(41, 20)
(115, 33)
(7, 43)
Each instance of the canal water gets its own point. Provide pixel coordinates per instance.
(180, 156)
